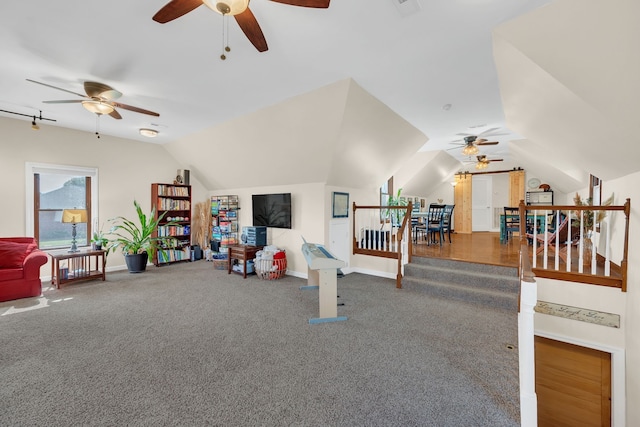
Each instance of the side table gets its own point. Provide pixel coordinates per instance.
(76, 266)
(241, 253)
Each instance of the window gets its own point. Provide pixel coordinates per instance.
(54, 188)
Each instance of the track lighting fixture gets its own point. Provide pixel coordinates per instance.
(34, 126)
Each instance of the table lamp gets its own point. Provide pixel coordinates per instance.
(74, 216)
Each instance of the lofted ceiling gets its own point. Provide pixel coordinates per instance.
(435, 69)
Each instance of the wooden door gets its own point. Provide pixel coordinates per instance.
(573, 384)
(516, 187)
(462, 200)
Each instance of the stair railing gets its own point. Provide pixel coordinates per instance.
(571, 254)
(383, 231)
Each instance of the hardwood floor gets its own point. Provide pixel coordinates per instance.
(485, 248)
(481, 247)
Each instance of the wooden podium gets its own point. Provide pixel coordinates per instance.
(323, 275)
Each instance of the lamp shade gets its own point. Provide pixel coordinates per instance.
(74, 216)
(227, 7)
(98, 107)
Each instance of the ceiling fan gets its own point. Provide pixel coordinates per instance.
(483, 161)
(99, 99)
(239, 9)
(471, 143)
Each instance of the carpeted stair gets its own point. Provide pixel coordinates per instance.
(487, 285)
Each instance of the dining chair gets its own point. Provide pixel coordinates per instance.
(446, 220)
(511, 221)
(435, 224)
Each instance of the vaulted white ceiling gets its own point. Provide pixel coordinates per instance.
(347, 95)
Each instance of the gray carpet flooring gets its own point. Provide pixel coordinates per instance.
(189, 345)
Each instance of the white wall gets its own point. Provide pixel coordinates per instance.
(310, 217)
(126, 169)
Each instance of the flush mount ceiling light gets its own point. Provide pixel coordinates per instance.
(149, 133)
(98, 107)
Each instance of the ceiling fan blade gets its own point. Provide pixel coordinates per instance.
(321, 4)
(101, 90)
(175, 9)
(487, 142)
(59, 88)
(64, 101)
(115, 114)
(136, 109)
(496, 160)
(251, 29)
(486, 132)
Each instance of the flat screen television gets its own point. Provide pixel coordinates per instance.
(272, 210)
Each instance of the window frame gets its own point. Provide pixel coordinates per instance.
(32, 168)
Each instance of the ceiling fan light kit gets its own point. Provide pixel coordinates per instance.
(227, 7)
(98, 107)
(470, 150)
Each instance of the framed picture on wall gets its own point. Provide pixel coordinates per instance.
(340, 205)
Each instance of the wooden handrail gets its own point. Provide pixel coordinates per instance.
(579, 277)
(397, 237)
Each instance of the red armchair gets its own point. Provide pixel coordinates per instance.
(20, 262)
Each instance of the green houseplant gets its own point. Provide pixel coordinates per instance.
(395, 214)
(136, 240)
(99, 240)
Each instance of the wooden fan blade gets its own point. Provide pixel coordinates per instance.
(251, 29)
(59, 88)
(115, 114)
(175, 9)
(485, 142)
(136, 109)
(101, 90)
(321, 4)
(64, 101)
(496, 160)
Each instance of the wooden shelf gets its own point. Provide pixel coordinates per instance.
(174, 201)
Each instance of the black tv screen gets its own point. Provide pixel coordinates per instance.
(272, 210)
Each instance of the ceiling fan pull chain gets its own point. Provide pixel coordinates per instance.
(225, 37)
(98, 125)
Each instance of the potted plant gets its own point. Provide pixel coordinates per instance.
(395, 214)
(136, 240)
(99, 240)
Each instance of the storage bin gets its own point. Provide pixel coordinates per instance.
(219, 261)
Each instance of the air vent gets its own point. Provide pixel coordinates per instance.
(407, 7)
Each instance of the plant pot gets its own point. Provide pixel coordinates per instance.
(136, 263)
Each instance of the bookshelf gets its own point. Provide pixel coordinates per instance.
(224, 219)
(175, 202)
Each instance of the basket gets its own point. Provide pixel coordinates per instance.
(271, 269)
(220, 262)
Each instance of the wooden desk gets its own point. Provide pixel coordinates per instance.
(243, 253)
(73, 267)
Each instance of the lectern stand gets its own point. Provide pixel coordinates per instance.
(323, 275)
